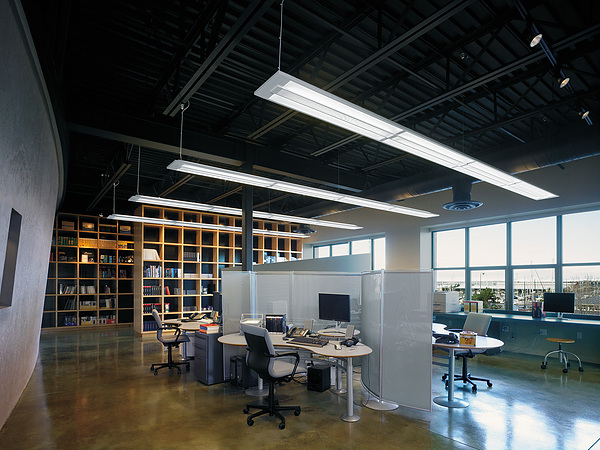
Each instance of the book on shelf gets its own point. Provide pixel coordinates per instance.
(167, 291)
(151, 290)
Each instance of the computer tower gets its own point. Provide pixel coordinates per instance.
(240, 374)
(318, 378)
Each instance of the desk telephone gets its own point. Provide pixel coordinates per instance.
(296, 332)
(450, 338)
(197, 316)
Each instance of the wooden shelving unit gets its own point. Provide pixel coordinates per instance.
(90, 274)
(180, 267)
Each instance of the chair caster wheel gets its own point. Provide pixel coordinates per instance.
(565, 370)
(250, 422)
(246, 410)
(444, 377)
(297, 412)
(489, 384)
(543, 366)
(581, 369)
(282, 425)
(474, 389)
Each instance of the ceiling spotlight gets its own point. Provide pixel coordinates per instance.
(534, 39)
(563, 81)
(584, 114)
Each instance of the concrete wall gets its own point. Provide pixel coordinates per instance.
(408, 239)
(29, 183)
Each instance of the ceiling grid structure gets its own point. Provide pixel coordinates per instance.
(456, 71)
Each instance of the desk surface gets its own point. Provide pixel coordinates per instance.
(482, 342)
(327, 350)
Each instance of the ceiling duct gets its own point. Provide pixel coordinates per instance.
(461, 196)
(304, 229)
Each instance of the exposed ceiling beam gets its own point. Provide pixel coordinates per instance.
(248, 19)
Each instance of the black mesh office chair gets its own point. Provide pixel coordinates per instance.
(271, 367)
(479, 323)
(169, 341)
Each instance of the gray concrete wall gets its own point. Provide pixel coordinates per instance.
(29, 180)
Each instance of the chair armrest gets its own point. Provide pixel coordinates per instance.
(172, 326)
(287, 355)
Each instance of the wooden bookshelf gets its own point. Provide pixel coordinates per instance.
(177, 268)
(91, 273)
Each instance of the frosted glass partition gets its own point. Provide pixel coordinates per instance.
(397, 326)
(237, 298)
(297, 294)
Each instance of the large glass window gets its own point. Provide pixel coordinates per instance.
(512, 265)
(374, 246)
(451, 280)
(534, 241)
(581, 237)
(449, 248)
(378, 253)
(530, 285)
(489, 287)
(487, 245)
(342, 249)
(584, 281)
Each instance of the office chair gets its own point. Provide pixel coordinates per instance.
(169, 341)
(261, 358)
(479, 323)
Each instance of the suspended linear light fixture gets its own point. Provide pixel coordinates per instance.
(204, 226)
(255, 180)
(298, 95)
(238, 212)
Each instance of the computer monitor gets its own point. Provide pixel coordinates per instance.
(334, 307)
(559, 302)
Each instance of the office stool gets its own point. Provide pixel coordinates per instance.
(562, 354)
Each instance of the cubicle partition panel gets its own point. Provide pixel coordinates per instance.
(273, 293)
(237, 298)
(305, 288)
(396, 324)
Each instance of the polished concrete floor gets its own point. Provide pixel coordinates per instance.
(94, 390)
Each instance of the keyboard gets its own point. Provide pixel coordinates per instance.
(310, 341)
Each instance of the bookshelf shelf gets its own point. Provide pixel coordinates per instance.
(84, 286)
(189, 261)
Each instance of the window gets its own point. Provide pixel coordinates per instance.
(510, 265)
(374, 246)
(322, 251)
(487, 245)
(340, 249)
(534, 241)
(449, 248)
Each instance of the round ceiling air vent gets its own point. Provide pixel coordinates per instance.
(461, 197)
(463, 205)
(304, 229)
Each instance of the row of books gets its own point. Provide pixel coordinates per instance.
(191, 256)
(66, 240)
(151, 290)
(152, 271)
(149, 325)
(148, 307)
(67, 289)
(171, 291)
(90, 289)
(87, 304)
(107, 272)
(171, 272)
(70, 303)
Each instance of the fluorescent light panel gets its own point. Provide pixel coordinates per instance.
(255, 180)
(204, 226)
(238, 212)
(298, 95)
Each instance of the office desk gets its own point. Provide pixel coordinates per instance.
(482, 343)
(193, 326)
(328, 350)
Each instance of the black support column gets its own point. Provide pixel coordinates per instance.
(247, 205)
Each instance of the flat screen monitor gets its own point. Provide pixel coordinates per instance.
(334, 307)
(559, 302)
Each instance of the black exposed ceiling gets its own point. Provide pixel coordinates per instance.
(456, 71)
